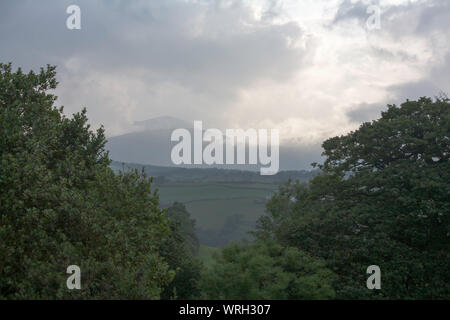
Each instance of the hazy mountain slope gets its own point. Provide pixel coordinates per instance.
(150, 143)
(149, 146)
(162, 123)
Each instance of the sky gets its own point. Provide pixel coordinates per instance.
(311, 68)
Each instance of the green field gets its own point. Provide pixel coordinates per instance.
(211, 204)
(225, 203)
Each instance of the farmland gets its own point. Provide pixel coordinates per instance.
(216, 206)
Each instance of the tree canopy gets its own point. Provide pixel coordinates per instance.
(61, 204)
(266, 270)
(382, 199)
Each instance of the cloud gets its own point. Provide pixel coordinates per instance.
(354, 11)
(310, 68)
(200, 53)
(365, 112)
(411, 51)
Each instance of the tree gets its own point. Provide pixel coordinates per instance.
(266, 270)
(181, 221)
(382, 199)
(61, 204)
(180, 251)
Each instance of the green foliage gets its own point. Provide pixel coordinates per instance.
(206, 254)
(180, 251)
(266, 270)
(61, 204)
(383, 199)
(181, 221)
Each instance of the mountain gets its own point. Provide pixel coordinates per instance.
(162, 123)
(147, 146)
(149, 143)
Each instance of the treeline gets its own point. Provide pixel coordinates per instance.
(164, 175)
(381, 198)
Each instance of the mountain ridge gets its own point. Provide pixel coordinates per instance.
(150, 142)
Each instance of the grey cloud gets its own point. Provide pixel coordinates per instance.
(428, 21)
(349, 10)
(415, 90)
(429, 15)
(393, 56)
(228, 50)
(200, 52)
(440, 74)
(365, 112)
(435, 15)
(430, 86)
(273, 11)
(434, 83)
